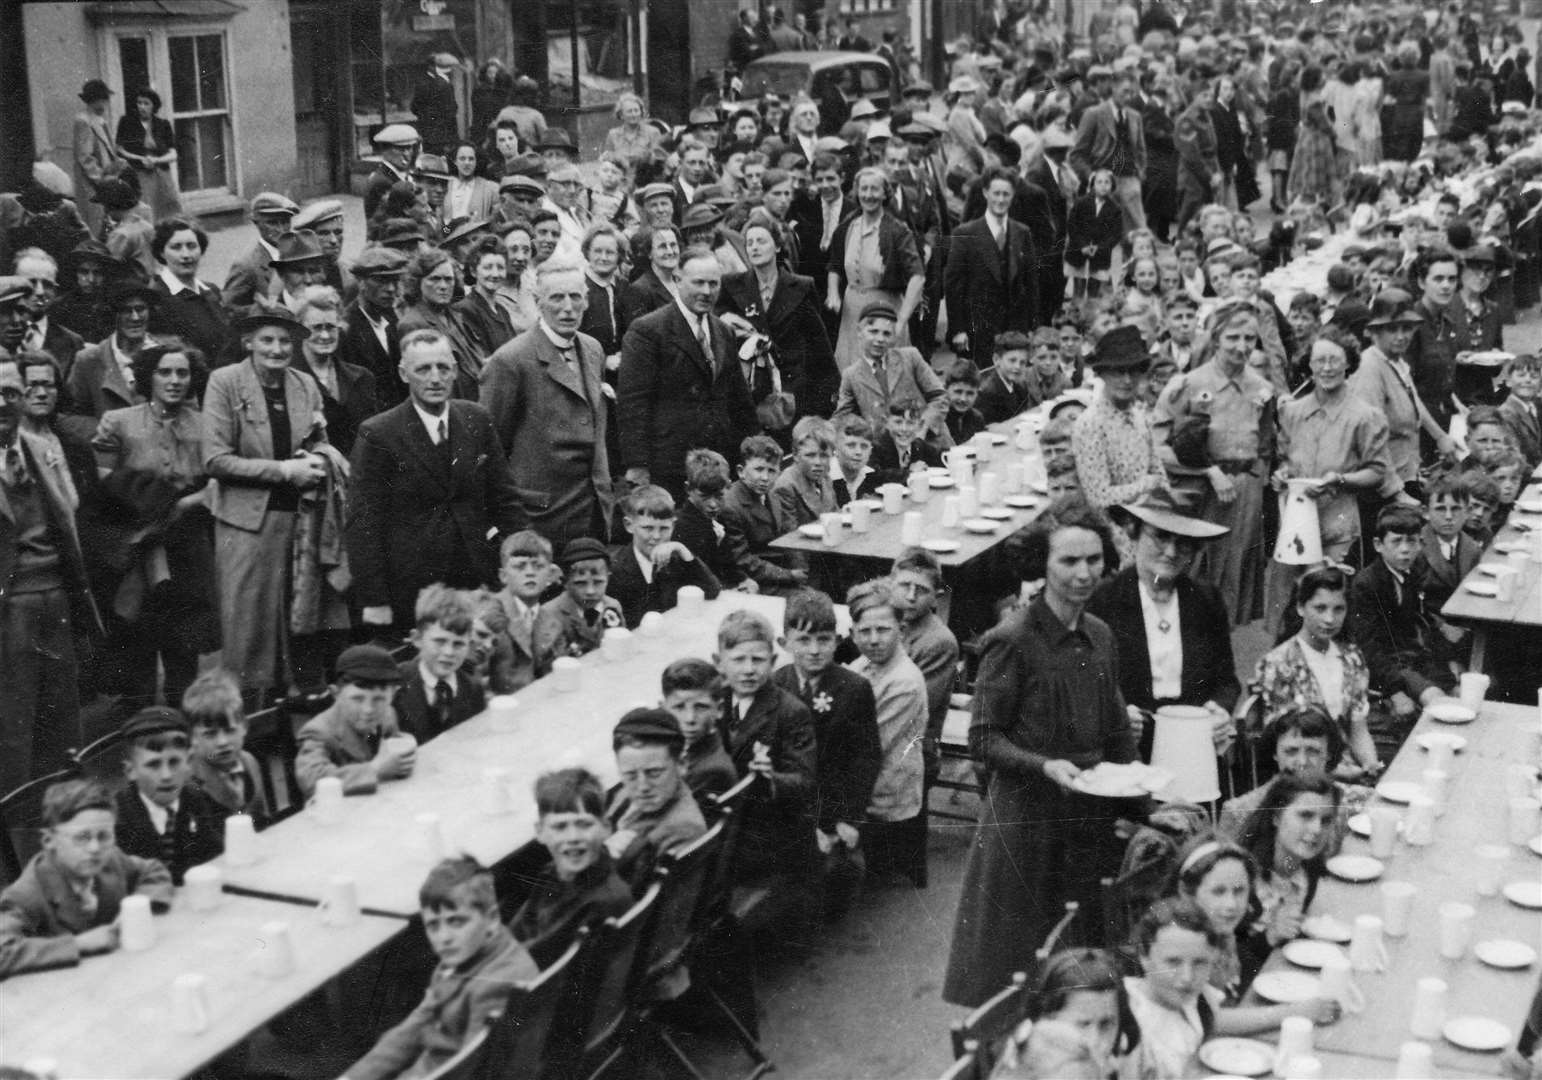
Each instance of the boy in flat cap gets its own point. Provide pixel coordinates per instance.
(575, 622)
(160, 814)
(352, 739)
(653, 811)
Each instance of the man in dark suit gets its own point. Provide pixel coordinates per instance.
(990, 284)
(39, 331)
(1057, 183)
(1110, 136)
(371, 341)
(434, 105)
(251, 276)
(394, 145)
(680, 385)
(745, 43)
(429, 485)
(545, 395)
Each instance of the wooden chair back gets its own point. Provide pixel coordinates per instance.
(993, 1021)
(21, 822)
(683, 876)
(520, 1044)
(733, 806)
(100, 760)
(608, 986)
(270, 739)
(467, 1062)
(966, 1066)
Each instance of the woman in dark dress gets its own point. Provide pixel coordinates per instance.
(1408, 91)
(1047, 706)
(1161, 183)
(189, 309)
(1282, 119)
(1230, 143)
(147, 142)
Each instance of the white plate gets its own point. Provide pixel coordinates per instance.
(1398, 791)
(1476, 1033)
(1493, 569)
(1427, 739)
(941, 547)
(1535, 844)
(1327, 928)
(813, 530)
(875, 505)
(1287, 987)
(1481, 588)
(1527, 894)
(1304, 952)
(1499, 953)
(997, 439)
(940, 481)
(997, 513)
(1529, 506)
(1024, 502)
(979, 525)
(1451, 712)
(1355, 867)
(1238, 1057)
(1128, 781)
(1509, 546)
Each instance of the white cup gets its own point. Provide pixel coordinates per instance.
(968, 501)
(1491, 860)
(1505, 577)
(1419, 822)
(1436, 783)
(201, 885)
(1525, 819)
(893, 498)
(1520, 780)
(861, 515)
(1473, 687)
(1517, 557)
(1415, 1061)
(1455, 929)
(1305, 1067)
(911, 528)
(240, 840)
(400, 743)
(1429, 1009)
(1397, 899)
(1015, 484)
(431, 836)
(1442, 752)
(1295, 1043)
(652, 624)
(990, 488)
(960, 461)
(340, 901)
(920, 486)
(275, 956)
(327, 802)
(830, 525)
(984, 446)
(1367, 952)
(950, 512)
(616, 643)
(565, 673)
(495, 795)
(1338, 982)
(190, 1003)
(503, 710)
(136, 925)
(690, 599)
(1384, 821)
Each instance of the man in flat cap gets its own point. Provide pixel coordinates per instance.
(371, 340)
(394, 145)
(325, 218)
(434, 104)
(251, 275)
(653, 811)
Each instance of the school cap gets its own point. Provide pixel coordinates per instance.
(367, 663)
(879, 310)
(153, 720)
(582, 549)
(650, 725)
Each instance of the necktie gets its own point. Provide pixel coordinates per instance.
(999, 228)
(704, 339)
(737, 715)
(34, 338)
(372, 741)
(442, 700)
(591, 617)
(169, 839)
(442, 436)
(881, 377)
(88, 899)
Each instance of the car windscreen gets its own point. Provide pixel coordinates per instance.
(785, 79)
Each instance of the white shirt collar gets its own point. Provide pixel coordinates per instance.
(270, 249)
(692, 319)
(644, 563)
(430, 680)
(124, 360)
(159, 815)
(557, 339)
(174, 284)
(431, 422)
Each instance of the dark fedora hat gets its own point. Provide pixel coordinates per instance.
(1392, 307)
(115, 195)
(701, 215)
(129, 290)
(1121, 349)
(92, 251)
(296, 247)
(258, 319)
(1169, 511)
(557, 138)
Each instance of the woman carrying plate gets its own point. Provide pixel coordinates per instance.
(1046, 708)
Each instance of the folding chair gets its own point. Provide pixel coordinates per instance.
(520, 1044)
(965, 1067)
(607, 986)
(270, 739)
(953, 746)
(467, 1062)
(1243, 774)
(99, 760)
(21, 819)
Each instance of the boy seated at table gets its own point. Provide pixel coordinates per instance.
(803, 490)
(1005, 392)
(1488, 436)
(652, 811)
(434, 696)
(65, 903)
(479, 964)
(1388, 620)
(853, 477)
(1508, 471)
(961, 390)
(221, 767)
(526, 570)
(1482, 498)
(750, 522)
(578, 885)
(767, 730)
(490, 657)
(699, 526)
(915, 579)
(1060, 478)
(1447, 555)
(1522, 376)
(161, 815)
(1055, 441)
(646, 574)
(900, 450)
(847, 754)
(693, 695)
(352, 739)
(574, 623)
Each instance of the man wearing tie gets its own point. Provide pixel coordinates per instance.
(545, 393)
(680, 386)
(370, 340)
(990, 285)
(429, 489)
(1047, 222)
(1110, 137)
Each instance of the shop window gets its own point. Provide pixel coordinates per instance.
(590, 51)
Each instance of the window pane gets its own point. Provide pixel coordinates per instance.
(134, 63)
(211, 71)
(201, 161)
(184, 75)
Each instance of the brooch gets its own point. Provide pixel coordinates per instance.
(823, 702)
(611, 618)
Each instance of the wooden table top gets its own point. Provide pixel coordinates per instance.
(1525, 608)
(1443, 871)
(378, 841)
(882, 540)
(111, 1015)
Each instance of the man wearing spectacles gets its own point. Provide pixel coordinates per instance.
(44, 598)
(42, 272)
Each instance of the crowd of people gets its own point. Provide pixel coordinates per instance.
(547, 391)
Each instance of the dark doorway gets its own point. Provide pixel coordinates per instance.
(320, 48)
